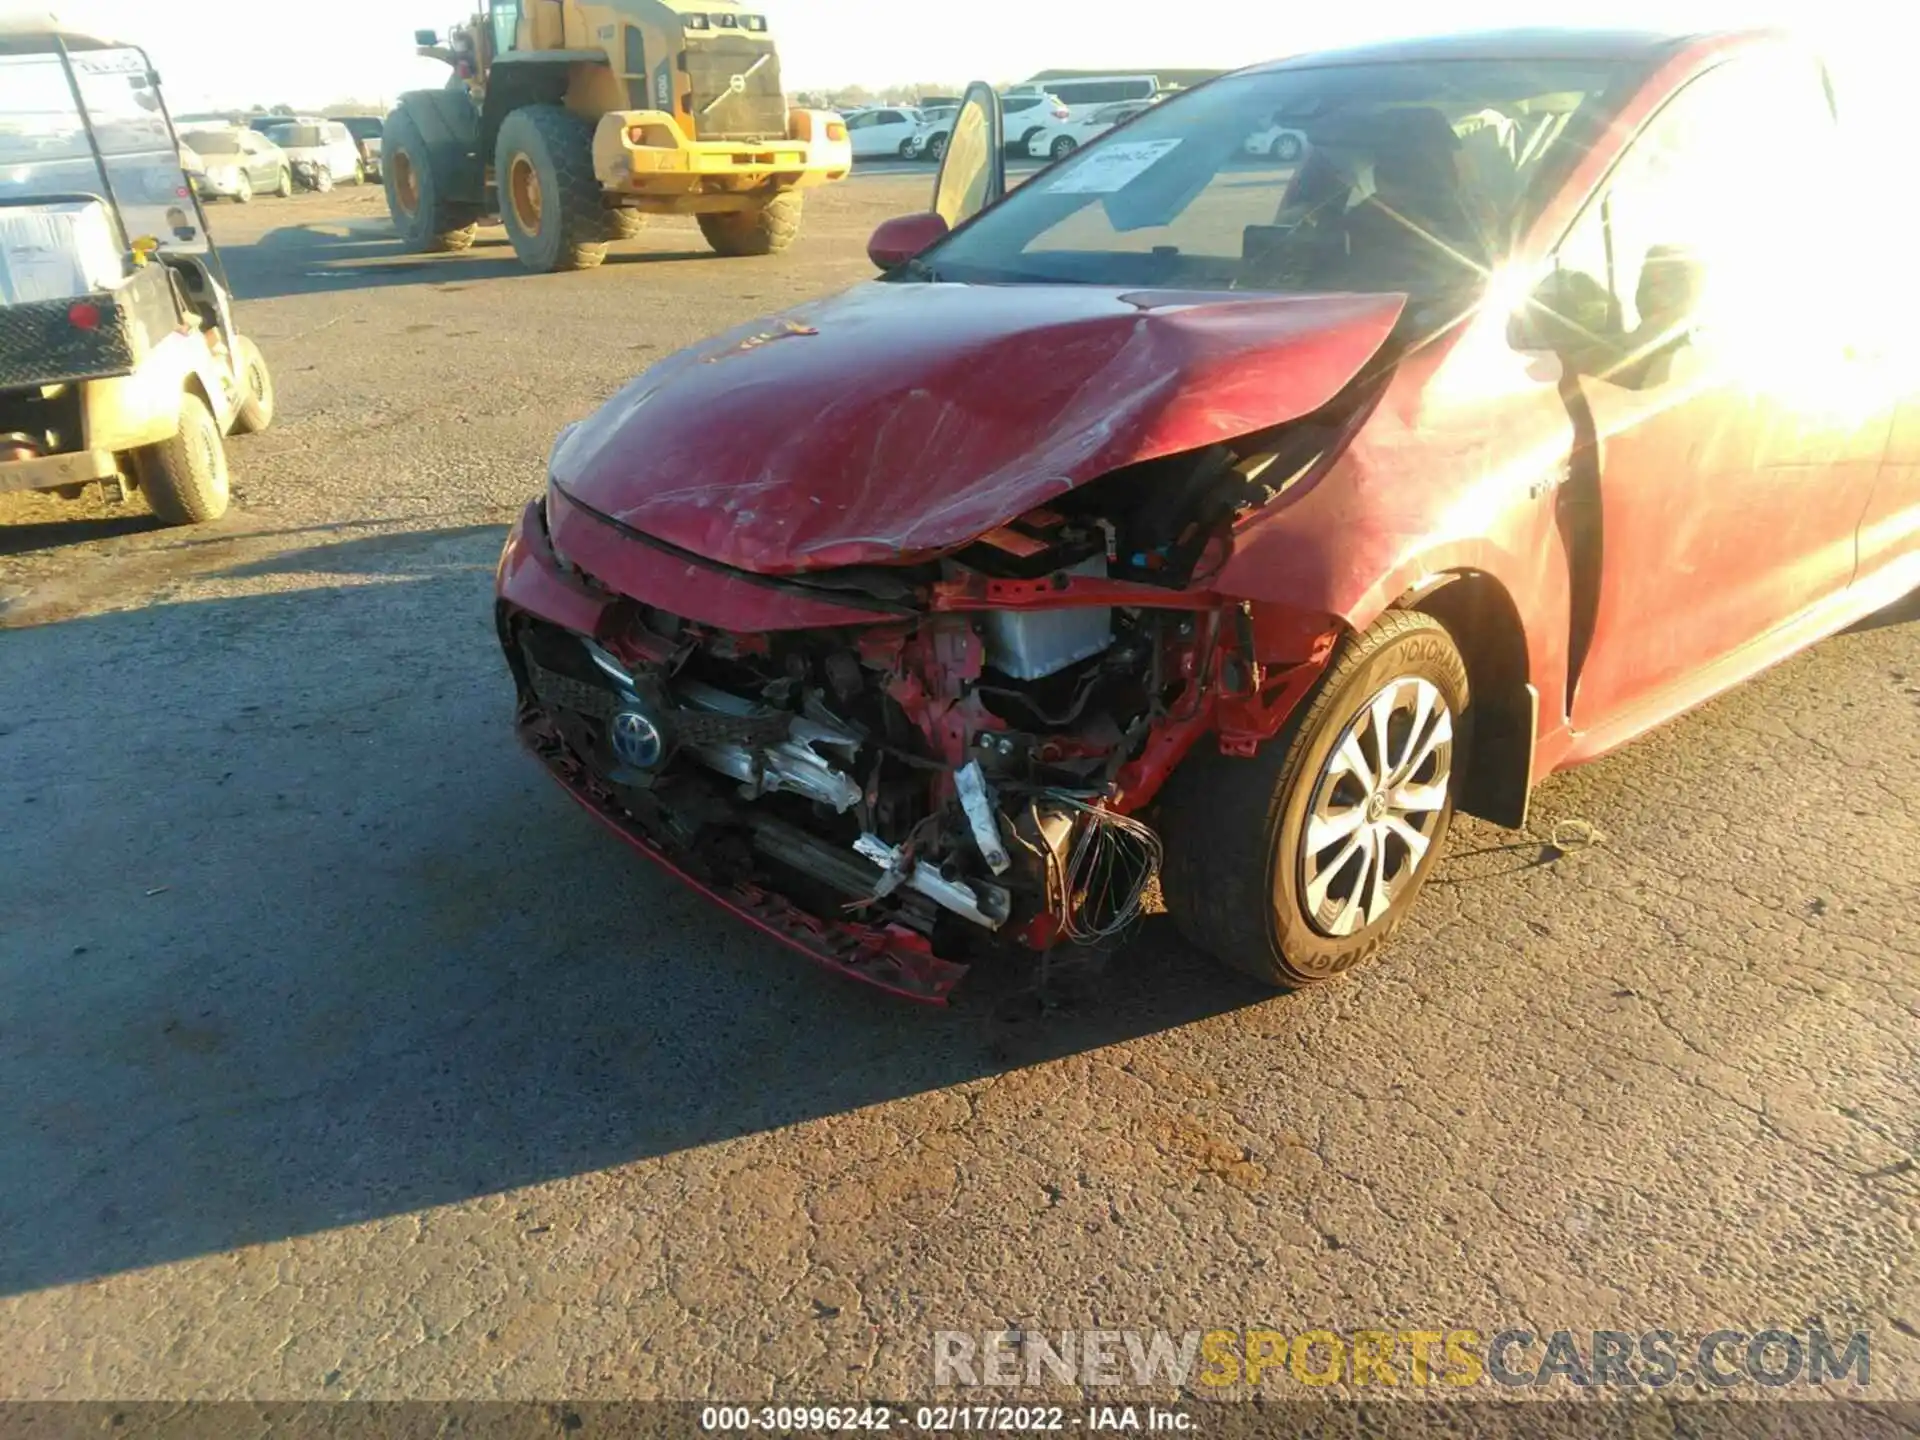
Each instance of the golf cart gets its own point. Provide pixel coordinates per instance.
(119, 361)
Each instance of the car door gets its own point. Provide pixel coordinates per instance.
(254, 154)
(890, 130)
(860, 130)
(1714, 490)
(345, 153)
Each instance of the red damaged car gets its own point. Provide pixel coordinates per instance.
(1188, 514)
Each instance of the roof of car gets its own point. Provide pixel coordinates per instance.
(1517, 44)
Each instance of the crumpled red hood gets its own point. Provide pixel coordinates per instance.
(897, 420)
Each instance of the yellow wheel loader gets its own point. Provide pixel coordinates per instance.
(573, 120)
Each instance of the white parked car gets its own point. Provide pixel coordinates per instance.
(235, 164)
(321, 142)
(883, 133)
(1277, 142)
(1087, 93)
(930, 140)
(1060, 139)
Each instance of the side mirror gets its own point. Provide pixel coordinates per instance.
(426, 37)
(973, 171)
(900, 239)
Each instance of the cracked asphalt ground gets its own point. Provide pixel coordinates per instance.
(342, 1056)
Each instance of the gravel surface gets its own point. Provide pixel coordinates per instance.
(342, 1056)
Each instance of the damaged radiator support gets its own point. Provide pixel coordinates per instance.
(793, 765)
(987, 905)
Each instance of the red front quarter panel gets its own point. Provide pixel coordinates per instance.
(1454, 470)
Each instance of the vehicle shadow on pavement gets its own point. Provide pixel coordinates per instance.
(310, 261)
(299, 938)
(28, 536)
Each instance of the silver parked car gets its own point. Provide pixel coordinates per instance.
(237, 164)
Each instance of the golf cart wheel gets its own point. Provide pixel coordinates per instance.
(937, 147)
(284, 189)
(1286, 149)
(426, 220)
(243, 192)
(765, 230)
(550, 201)
(185, 477)
(256, 408)
(625, 224)
(1063, 146)
(1299, 863)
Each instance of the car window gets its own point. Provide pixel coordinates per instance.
(889, 117)
(1689, 231)
(1417, 178)
(214, 142)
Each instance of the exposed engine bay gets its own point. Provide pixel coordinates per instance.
(968, 773)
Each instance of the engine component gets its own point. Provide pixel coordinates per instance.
(977, 800)
(1032, 644)
(985, 905)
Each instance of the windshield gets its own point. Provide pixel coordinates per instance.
(298, 137)
(1413, 177)
(44, 148)
(213, 142)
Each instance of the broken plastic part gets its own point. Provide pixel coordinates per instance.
(986, 905)
(977, 800)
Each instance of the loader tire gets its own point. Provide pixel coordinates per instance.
(256, 410)
(625, 224)
(426, 220)
(765, 230)
(550, 201)
(185, 478)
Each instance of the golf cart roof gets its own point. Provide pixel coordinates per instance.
(39, 33)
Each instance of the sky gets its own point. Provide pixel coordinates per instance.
(235, 53)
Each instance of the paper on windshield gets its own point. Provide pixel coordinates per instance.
(1103, 171)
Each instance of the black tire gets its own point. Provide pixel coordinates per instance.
(1286, 149)
(1063, 146)
(426, 220)
(185, 478)
(285, 188)
(243, 192)
(937, 147)
(256, 409)
(906, 149)
(1235, 828)
(549, 200)
(625, 224)
(765, 230)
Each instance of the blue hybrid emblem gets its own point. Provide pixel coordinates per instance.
(636, 740)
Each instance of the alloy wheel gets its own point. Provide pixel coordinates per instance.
(1376, 806)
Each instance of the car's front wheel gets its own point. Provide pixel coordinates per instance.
(284, 186)
(243, 190)
(1286, 149)
(1063, 146)
(1298, 864)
